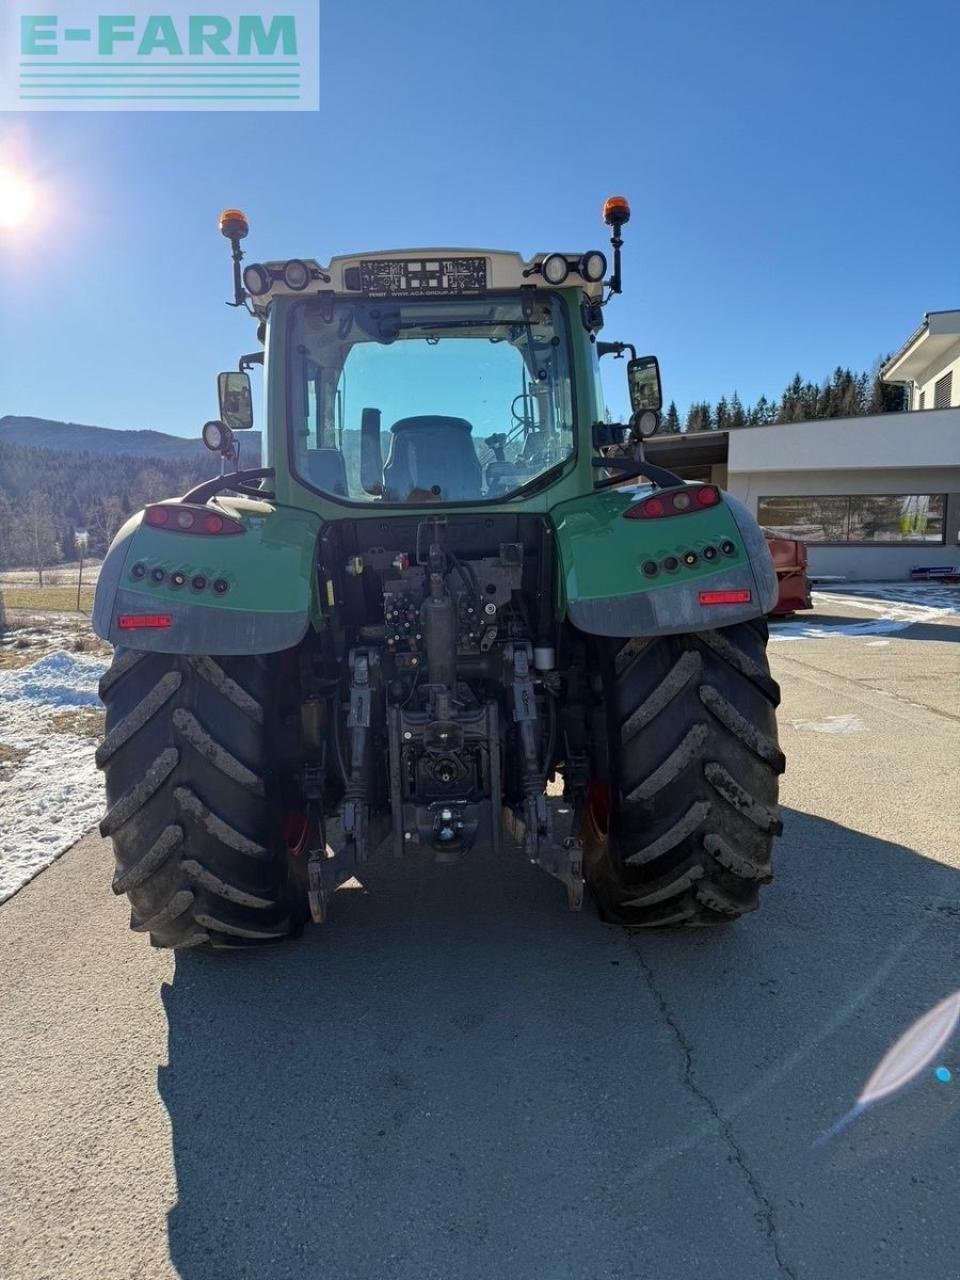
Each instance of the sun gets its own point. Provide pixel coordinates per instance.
(17, 200)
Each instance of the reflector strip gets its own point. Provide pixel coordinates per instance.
(144, 621)
(725, 597)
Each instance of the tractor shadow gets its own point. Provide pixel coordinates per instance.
(457, 1078)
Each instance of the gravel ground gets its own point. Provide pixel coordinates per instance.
(458, 1079)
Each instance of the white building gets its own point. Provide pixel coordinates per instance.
(928, 363)
(873, 497)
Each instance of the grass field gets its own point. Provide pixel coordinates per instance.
(54, 599)
(61, 575)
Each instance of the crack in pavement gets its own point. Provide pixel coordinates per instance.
(765, 1207)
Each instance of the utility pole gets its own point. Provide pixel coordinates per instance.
(82, 538)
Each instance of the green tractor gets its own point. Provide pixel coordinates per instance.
(454, 609)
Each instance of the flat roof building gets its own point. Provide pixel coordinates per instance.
(928, 363)
(874, 496)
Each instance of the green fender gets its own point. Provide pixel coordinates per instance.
(250, 592)
(605, 591)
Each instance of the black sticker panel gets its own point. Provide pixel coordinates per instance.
(389, 277)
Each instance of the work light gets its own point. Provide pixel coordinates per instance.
(555, 268)
(215, 435)
(296, 275)
(592, 266)
(257, 280)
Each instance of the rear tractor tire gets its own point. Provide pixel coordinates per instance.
(192, 812)
(683, 831)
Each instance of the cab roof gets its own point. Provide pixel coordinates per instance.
(416, 273)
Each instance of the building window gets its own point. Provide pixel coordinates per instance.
(942, 391)
(866, 519)
(923, 400)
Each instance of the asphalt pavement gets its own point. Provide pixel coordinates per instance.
(457, 1079)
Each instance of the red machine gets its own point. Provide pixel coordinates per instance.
(790, 562)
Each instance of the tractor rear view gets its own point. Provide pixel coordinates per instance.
(450, 582)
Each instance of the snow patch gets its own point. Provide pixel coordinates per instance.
(55, 793)
(897, 606)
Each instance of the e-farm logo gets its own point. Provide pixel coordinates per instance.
(80, 55)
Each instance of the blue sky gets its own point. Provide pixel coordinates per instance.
(792, 169)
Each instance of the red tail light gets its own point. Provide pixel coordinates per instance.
(144, 621)
(725, 597)
(674, 502)
(183, 517)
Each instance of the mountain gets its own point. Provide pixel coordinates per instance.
(74, 437)
(64, 476)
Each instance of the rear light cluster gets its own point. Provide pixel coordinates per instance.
(183, 518)
(675, 502)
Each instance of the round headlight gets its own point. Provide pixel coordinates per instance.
(296, 275)
(214, 435)
(555, 268)
(646, 423)
(592, 266)
(257, 280)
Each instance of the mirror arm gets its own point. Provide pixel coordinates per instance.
(616, 349)
(247, 362)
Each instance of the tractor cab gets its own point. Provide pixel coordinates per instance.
(436, 376)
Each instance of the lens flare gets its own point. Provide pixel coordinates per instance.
(918, 1045)
(17, 199)
(906, 1058)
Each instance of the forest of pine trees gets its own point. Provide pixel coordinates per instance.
(845, 395)
(46, 495)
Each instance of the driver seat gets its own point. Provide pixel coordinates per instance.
(432, 450)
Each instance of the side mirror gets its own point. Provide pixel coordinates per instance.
(236, 400)
(371, 453)
(643, 379)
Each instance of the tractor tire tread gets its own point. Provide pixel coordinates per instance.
(210, 670)
(132, 801)
(190, 803)
(195, 878)
(168, 839)
(685, 827)
(688, 665)
(221, 889)
(192, 731)
(124, 660)
(728, 715)
(693, 778)
(757, 673)
(161, 692)
(175, 906)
